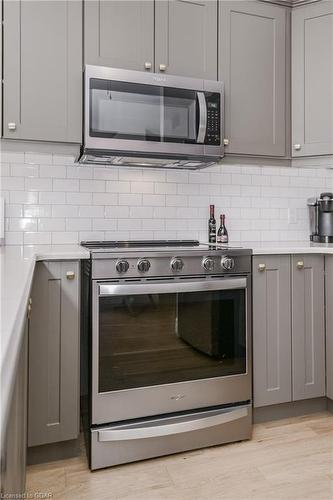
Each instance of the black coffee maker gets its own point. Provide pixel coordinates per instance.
(321, 218)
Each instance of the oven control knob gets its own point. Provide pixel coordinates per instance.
(208, 264)
(227, 263)
(177, 264)
(143, 265)
(122, 266)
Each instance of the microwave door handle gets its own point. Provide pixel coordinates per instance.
(202, 117)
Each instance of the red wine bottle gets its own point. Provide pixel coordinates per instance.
(222, 233)
(212, 225)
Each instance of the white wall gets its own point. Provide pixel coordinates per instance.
(49, 199)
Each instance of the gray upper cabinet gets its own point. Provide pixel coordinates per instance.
(252, 63)
(186, 38)
(119, 33)
(53, 411)
(271, 330)
(329, 325)
(308, 326)
(42, 61)
(312, 79)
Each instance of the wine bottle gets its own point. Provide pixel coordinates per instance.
(212, 225)
(222, 233)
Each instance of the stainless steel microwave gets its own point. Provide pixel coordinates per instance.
(146, 119)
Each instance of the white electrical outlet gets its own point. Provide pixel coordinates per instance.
(292, 215)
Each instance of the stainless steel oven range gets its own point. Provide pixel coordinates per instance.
(170, 348)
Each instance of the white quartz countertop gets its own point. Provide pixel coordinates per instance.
(17, 265)
(284, 247)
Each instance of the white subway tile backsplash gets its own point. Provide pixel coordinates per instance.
(78, 224)
(37, 158)
(38, 184)
(56, 171)
(92, 186)
(118, 186)
(51, 224)
(12, 183)
(50, 199)
(37, 238)
(65, 185)
(64, 238)
(22, 170)
(65, 211)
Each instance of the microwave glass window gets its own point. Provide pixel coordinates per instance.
(154, 339)
(123, 110)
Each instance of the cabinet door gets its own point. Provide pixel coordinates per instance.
(14, 432)
(186, 38)
(54, 354)
(308, 326)
(42, 70)
(252, 63)
(312, 79)
(271, 330)
(329, 325)
(119, 33)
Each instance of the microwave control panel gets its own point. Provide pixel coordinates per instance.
(213, 134)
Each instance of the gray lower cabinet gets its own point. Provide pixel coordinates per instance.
(53, 412)
(42, 63)
(119, 33)
(14, 433)
(252, 63)
(186, 38)
(271, 330)
(329, 325)
(312, 79)
(308, 326)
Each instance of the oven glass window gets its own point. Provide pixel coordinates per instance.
(123, 110)
(154, 339)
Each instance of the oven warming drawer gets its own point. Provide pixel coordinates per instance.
(128, 442)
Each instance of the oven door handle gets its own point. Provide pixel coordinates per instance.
(176, 287)
(202, 117)
(152, 431)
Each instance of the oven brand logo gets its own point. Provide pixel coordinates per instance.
(159, 78)
(177, 397)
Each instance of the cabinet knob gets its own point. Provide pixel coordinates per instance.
(70, 275)
(262, 267)
(226, 142)
(297, 147)
(300, 264)
(11, 126)
(163, 67)
(148, 65)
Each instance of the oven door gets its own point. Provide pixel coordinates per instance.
(144, 113)
(162, 347)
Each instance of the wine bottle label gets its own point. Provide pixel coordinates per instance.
(224, 238)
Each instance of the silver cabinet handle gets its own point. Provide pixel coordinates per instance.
(262, 267)
(172, 428)
(70, 275)
(226, 142)
(11, 126)
(148, 65)
(297, 147)
(184, 286)
(202, 117)
(163, 67)
(300, 264)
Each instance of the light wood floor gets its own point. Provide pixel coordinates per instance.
(288, 459)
